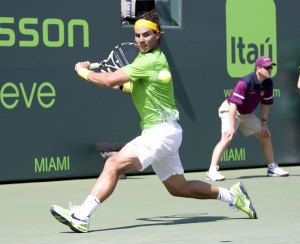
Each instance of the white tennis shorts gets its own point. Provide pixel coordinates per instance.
(249, 124)
(158, 147)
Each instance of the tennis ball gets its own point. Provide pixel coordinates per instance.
(164, 76)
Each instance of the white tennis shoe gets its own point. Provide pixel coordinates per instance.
(276, 171)
(214, 175)
(67, 217)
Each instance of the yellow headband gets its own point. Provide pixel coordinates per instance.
(146, 23)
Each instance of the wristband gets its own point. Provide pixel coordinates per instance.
(126, 87)
(83, 72)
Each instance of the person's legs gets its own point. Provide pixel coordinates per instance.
(154, 143)
(266, 146)
(178, 186)
(126, 159)
(158, 142)
(217, 154)
(251, 125)
(219, 151)
(236, 196)
(267, 150)
(77, 217)
(170, 171)
(213, 174)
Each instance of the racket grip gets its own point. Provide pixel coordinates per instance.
(94, 66)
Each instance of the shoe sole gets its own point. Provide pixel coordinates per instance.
(210, 179)
(244, 191)
(59, 217)
(64, 220)
(276, 175)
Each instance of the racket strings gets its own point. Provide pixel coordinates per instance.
(121, 55)
(125, 55)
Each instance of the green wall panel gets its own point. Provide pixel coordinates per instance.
(51, 119)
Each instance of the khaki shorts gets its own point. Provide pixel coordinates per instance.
(158, 147)
(249, 124)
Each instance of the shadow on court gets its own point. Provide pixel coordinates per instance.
(169, 220)
(259, 176)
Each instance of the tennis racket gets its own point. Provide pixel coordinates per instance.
(121, 55)
(108, 149)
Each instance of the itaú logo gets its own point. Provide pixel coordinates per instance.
(52, 32)
(250, 33)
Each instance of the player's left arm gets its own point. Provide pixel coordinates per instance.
(124, 87)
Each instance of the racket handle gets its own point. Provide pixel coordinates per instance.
(94, 66)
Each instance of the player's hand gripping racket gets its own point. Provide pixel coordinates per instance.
(121, 55)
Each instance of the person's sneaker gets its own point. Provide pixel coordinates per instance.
(214, 175)
(276, 171)
(242, 200)
(67, 217)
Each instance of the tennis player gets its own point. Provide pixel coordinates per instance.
(237, 111)
(161, 135)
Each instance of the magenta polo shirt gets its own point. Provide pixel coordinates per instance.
(248, 93)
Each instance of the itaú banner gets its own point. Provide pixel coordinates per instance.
(245, 42)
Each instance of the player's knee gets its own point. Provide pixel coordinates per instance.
(225, 141)
(262, 137)
(112, 165)
(177, 191)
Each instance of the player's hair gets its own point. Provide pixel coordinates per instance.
(153, 17)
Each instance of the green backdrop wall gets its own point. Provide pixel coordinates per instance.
(51, 119)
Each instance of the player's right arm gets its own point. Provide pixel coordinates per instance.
(109, 79)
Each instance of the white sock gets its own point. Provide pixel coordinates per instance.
(89, 206)
(272, 165)
(225, 195)
(213, 168)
